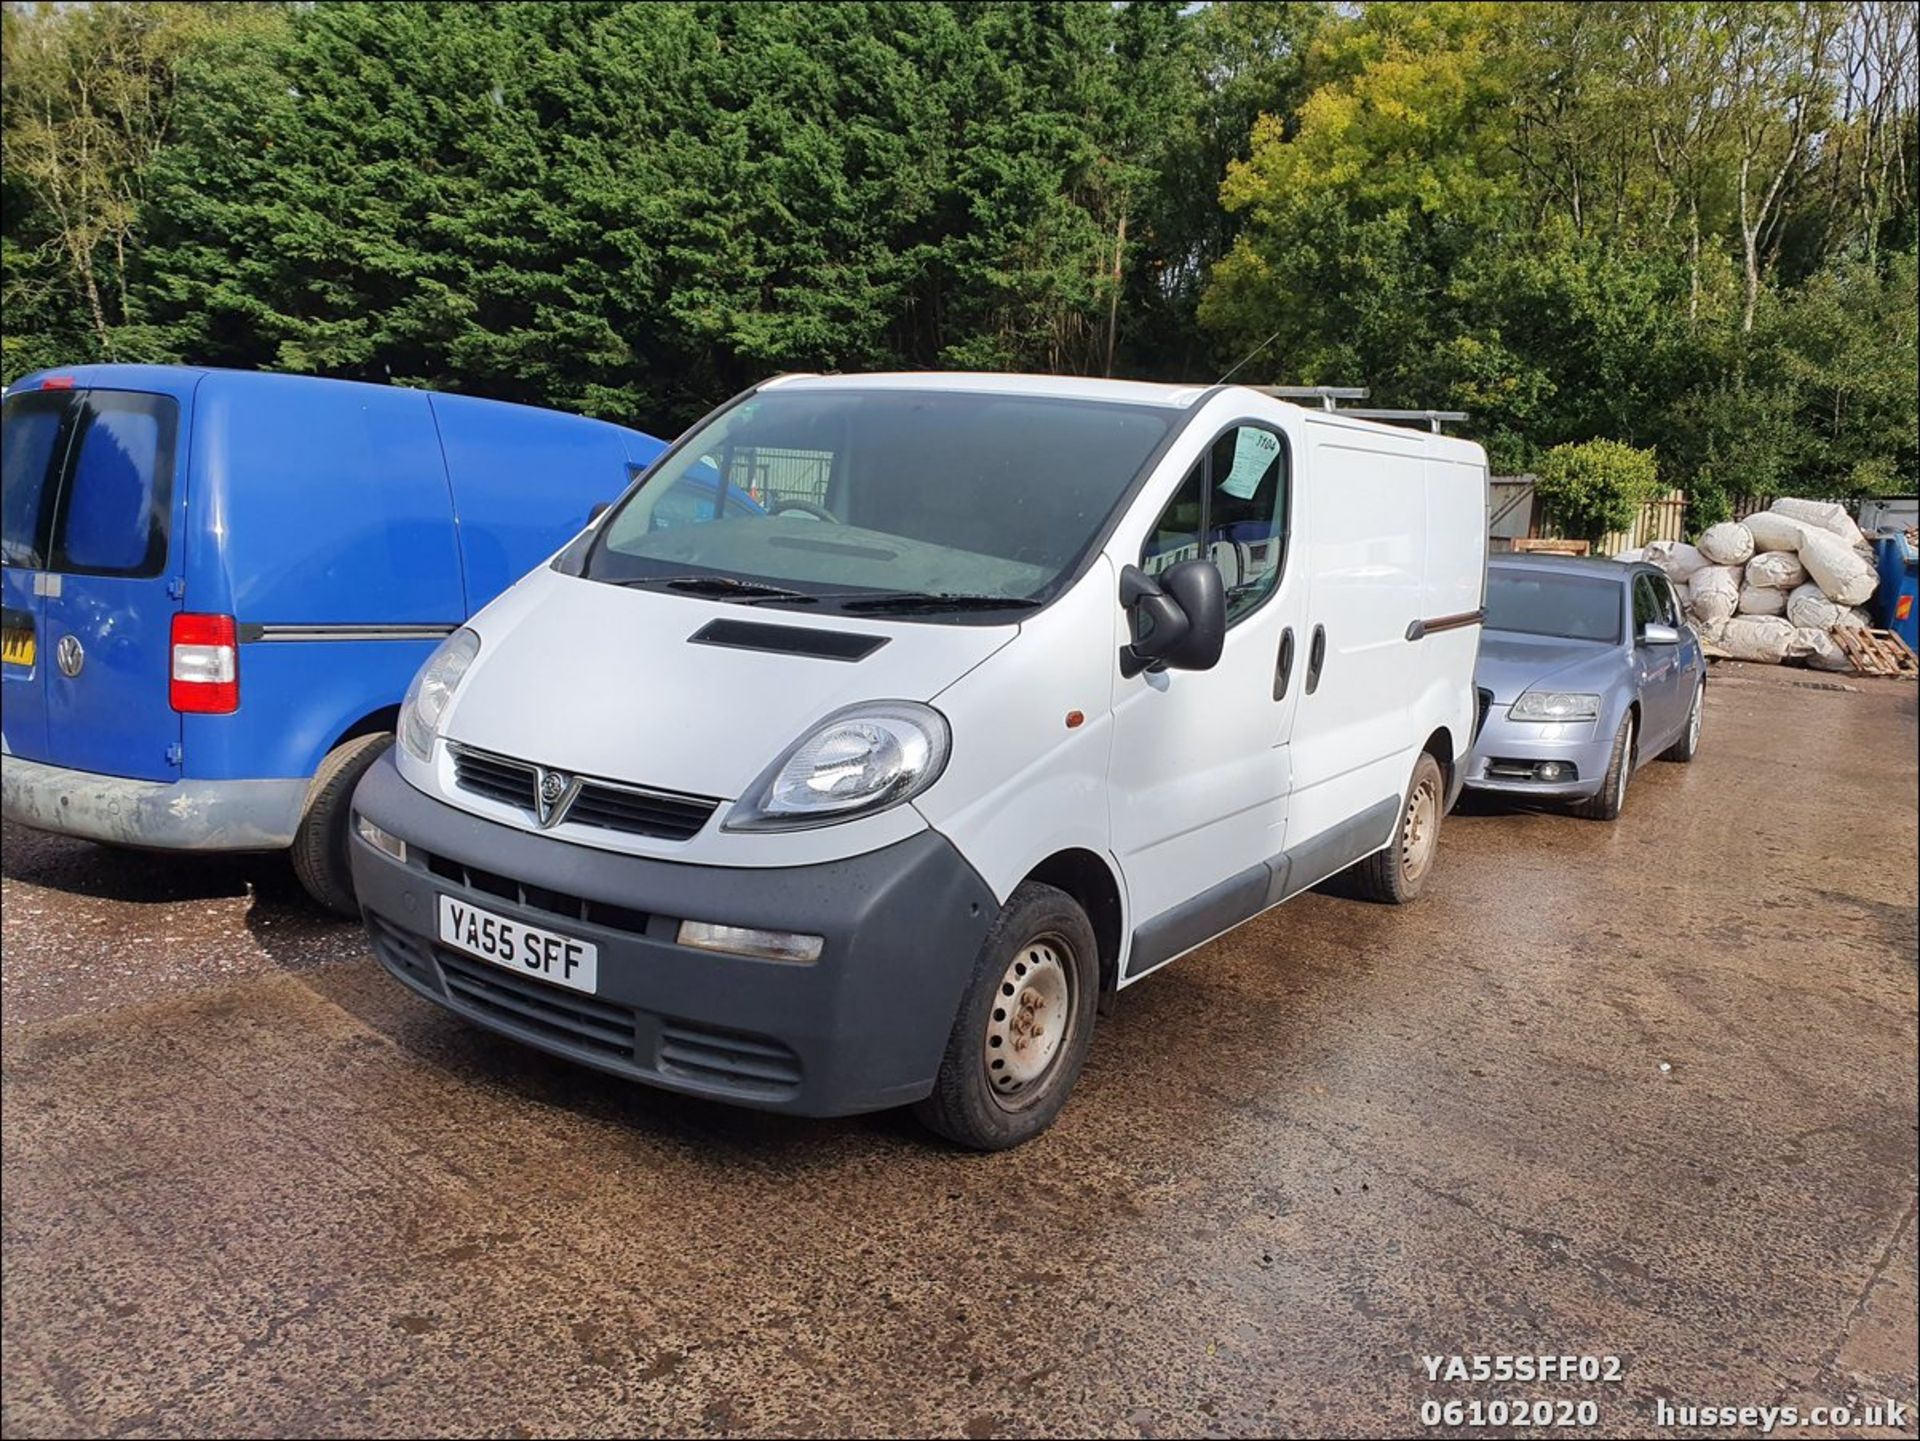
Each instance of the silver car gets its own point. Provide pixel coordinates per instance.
(1587, 671)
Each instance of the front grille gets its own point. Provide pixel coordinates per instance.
(547, 1011)
(494, 777)
(537, 898)
(608, 805)
(736, 1061)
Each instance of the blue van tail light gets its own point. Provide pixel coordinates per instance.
(204, 678)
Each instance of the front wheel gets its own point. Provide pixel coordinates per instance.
(1024, 1025)
(1688, 746)
(1399, 873)
(1607, 803)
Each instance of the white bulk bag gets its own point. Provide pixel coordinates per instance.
(1728, 543)
(1817, 649)
(1678, 559)
(1835, 568)
(1714, 592)
(1808, 606)
(1828, 515)
(1853, 618)
(1762, 600)
(1778, 568)
(1683, 596)
(1774, 532)
(1758, 638)
(1628, 557)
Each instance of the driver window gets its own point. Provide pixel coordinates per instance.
(1646, 605)
(1230, 509)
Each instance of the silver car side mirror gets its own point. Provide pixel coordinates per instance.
(1653, 633)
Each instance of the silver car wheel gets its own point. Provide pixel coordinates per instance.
(1626, 769)
(1693, 720)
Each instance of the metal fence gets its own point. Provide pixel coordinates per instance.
(771, 475)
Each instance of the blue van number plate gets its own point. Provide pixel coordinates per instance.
(515, 947)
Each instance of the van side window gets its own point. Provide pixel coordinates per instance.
(1230, 509)
(29, 451)
(113, 515)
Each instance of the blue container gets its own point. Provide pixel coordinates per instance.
(1894, 603)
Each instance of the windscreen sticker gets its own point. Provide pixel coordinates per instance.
(1253, 452)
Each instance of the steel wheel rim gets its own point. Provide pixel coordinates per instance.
(1419, 830)
(1028, 1022)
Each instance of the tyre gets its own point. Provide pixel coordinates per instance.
(1688, 746)
(320, 845)
(1024, 1025)
(1399, 873)
(1607, 803)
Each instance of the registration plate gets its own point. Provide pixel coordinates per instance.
(513, 946)
(16, 645)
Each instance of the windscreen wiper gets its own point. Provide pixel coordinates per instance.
(912, 600)
(726, 587)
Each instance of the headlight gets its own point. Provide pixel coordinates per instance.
(857, 761)
(432, 688)
(1554, 705)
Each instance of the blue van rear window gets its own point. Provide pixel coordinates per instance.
(28, 435)
(114, 515)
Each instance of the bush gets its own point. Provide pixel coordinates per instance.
(1596, 486)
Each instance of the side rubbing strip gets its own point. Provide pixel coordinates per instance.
(1419, 629)
(377, 630)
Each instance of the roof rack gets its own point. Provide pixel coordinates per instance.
(1327, 395)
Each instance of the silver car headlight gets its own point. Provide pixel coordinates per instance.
(859, 760)
(1555, 705)
(432, 688)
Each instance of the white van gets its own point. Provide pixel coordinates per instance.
(889, 723)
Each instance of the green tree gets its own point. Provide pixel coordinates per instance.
(1596, 486)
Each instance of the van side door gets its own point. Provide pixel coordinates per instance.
(1200, 770)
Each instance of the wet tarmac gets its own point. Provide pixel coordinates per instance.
(1645, 1090)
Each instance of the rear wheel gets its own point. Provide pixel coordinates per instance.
(1399, 873)
(1607, 803)
(1688, 746)
(320, 845)
(1024, 1025)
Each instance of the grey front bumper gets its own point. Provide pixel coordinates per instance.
(186, 815)
(861, 1029)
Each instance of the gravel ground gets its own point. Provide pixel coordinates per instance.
(1646, 1090)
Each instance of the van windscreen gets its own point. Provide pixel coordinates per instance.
(855, 498)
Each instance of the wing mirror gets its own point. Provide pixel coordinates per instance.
(1653, 633)
(600, 508)
(1179, 620)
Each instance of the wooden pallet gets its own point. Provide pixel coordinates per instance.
(1877, 652)
(1536, 545)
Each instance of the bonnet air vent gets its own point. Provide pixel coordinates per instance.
(788, 639)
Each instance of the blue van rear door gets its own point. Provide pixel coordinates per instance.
(33, 436)
(111, 597)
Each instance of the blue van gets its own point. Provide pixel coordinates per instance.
(218, 584)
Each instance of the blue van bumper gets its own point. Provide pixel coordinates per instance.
(187, 815)
(861, 1029)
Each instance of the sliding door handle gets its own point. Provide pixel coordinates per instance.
(1283, 668)
(1316, 658)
